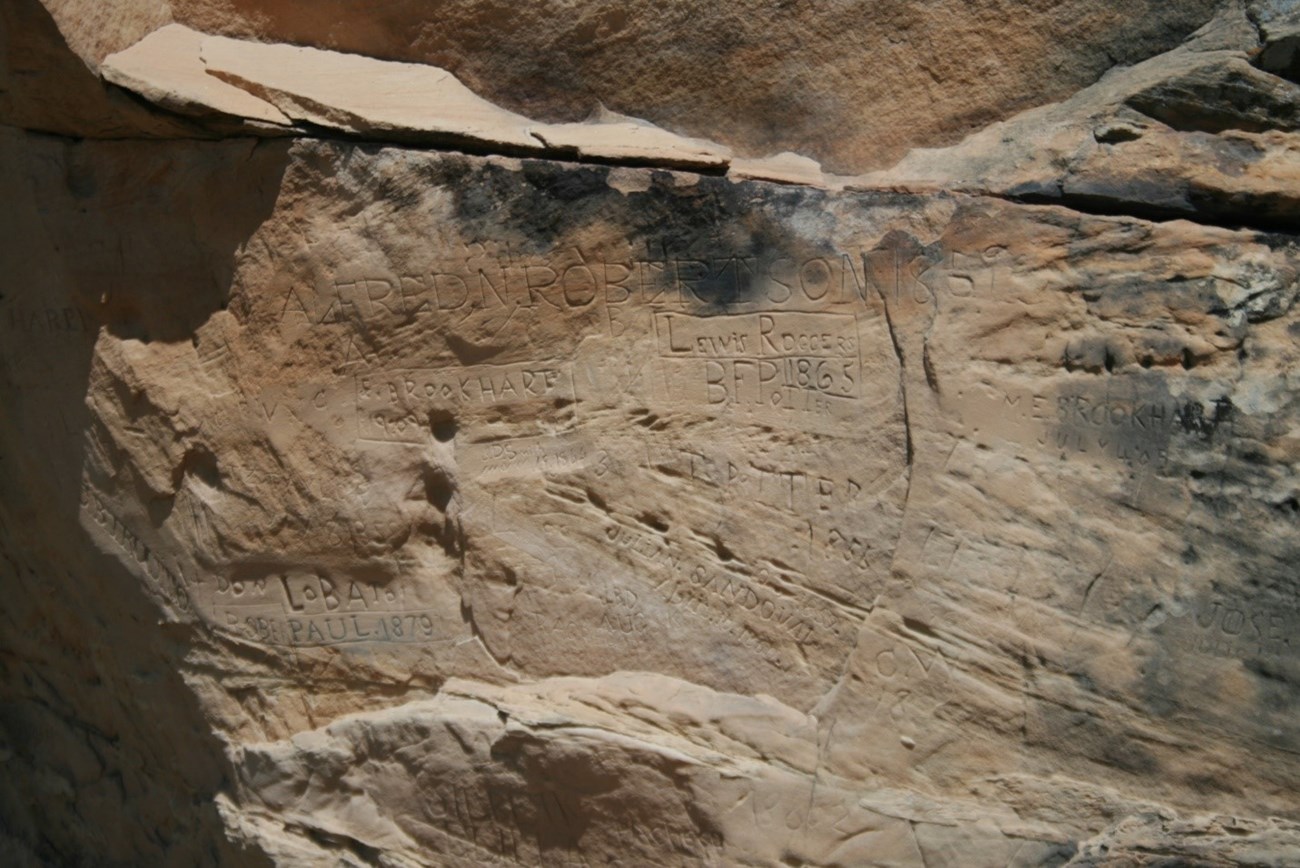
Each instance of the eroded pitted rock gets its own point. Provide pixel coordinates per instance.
(500, 423)
(437, 508)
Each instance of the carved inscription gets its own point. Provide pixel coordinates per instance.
(773, 364)
(315, 609)
(731, 601)
(570, 280)
(459, 286)
(1241, 630)
(167, 581)
(1135, 431)
(531, 456)
(827, 502)
(766, 358)
(394, 406)
(786, 350)
(621, 612)
(48, 321)
(773, 338)
(768, 480)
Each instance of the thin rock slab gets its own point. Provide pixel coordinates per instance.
(610, 136)
(365, 96)
(167, 69)
(853, 86)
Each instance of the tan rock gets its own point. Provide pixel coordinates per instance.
(785, 168)
(166, 68)
(185, 71)
(611, 136)
(514, 528)
(364, 96)
(363, 503)
(1197, 134)
(853, 86)
(1195, 840)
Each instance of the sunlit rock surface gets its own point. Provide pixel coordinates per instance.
(395, 478)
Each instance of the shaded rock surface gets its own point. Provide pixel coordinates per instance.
(368, 502)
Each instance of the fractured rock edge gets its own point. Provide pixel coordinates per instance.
(309, 89)
(295, 792)
(1178, 136)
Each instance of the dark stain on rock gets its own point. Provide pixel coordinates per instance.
(531, 207)
(397, 194)
(1195, 420)
(1225, 95)
(1124, 752)
(1096, 738)
(717, 239)
(716, 245)
(1250, 622)
(1277, 694)
(1159, 693)
(565, 183)
(1128, 417)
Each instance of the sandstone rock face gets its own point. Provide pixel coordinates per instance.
(586, 496)
(851, 85)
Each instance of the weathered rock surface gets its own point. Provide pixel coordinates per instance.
(364, 502)
(168, 69)
(300, 89)
(1198, 132)
(44, 86)
(850, 85)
